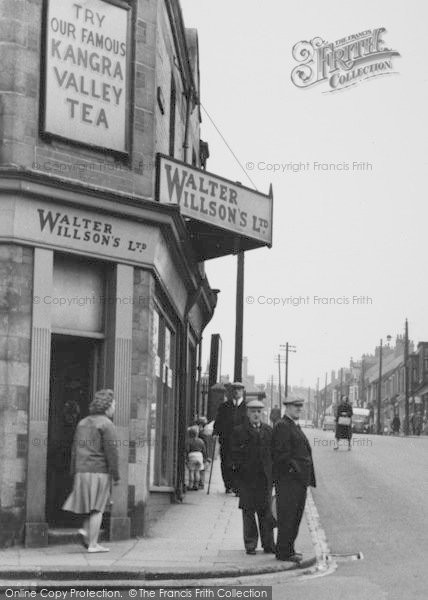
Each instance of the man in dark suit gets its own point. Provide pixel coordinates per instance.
(252, 465)
(230, 413)
(293, 472)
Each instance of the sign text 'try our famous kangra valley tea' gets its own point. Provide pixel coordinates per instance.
(86, 73)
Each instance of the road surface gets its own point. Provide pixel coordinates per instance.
(374, 500)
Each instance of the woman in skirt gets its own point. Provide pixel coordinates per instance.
(94, 464)
(343, 422)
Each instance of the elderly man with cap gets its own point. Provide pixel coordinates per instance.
(230, 413)
(252, 464)
(293, 472)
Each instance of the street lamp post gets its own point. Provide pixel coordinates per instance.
(379, 387)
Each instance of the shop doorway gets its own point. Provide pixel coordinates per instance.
(73, 378)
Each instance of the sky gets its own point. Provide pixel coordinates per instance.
(336, 233)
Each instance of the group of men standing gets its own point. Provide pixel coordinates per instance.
(254, 457)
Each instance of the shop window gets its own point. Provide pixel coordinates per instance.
(78, 296)
(163, 411)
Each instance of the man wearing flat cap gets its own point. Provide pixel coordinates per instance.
(230, 413)
(293, 472)
(252, 465)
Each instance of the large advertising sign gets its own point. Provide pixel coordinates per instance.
(86, 72)
(211, 199)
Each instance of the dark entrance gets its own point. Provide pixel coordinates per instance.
(72, 381)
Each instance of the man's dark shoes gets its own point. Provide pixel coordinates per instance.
(269, 550)
(251, 551)
(296, 558)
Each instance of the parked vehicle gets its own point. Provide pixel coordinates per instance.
(329, 423)
(361, 420)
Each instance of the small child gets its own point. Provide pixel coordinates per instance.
(196, 455)
(202, 422)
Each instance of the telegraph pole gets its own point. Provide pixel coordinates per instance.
(379, 389)
(325, 396)
(361, 401)
(271, 392)
(286, 372)
(288, 348)
(279, 378)
(317, 403)
(406, 378)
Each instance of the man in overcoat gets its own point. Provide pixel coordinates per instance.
(252, 465)
(293, 472)
(230, 414)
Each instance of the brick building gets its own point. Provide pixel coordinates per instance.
(103, 240)
(99, 284)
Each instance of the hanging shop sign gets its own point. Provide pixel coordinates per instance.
(85, 79)
(211, 199)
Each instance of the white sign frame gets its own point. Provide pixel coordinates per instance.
(71, 83)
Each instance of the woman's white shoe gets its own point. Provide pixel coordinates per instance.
(98, 548)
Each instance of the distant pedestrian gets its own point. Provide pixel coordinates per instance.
(252, 465)
(293, 472)
(196, 456)
(343, 423)
(275, 415)
(94, 464)
(396, 424)
(230, 414)
(417, 426)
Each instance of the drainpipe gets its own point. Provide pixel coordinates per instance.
(190, 105)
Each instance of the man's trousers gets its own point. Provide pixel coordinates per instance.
(290, 498)
(226, 465)
(251, 532)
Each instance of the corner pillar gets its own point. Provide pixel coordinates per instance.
(36, 527)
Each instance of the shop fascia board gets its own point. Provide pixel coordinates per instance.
(108, 202)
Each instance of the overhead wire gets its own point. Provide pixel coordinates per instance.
(228, 146)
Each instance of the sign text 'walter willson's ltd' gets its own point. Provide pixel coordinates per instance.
(211, 199)
(86, 72)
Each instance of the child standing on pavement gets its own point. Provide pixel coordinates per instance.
(196, 455)
(202, 423)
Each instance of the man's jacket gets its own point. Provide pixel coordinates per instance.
(228, 417)
(292, 455)
(251, 456)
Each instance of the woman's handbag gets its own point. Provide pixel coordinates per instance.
(344, 421)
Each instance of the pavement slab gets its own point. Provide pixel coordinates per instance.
(200, 538)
